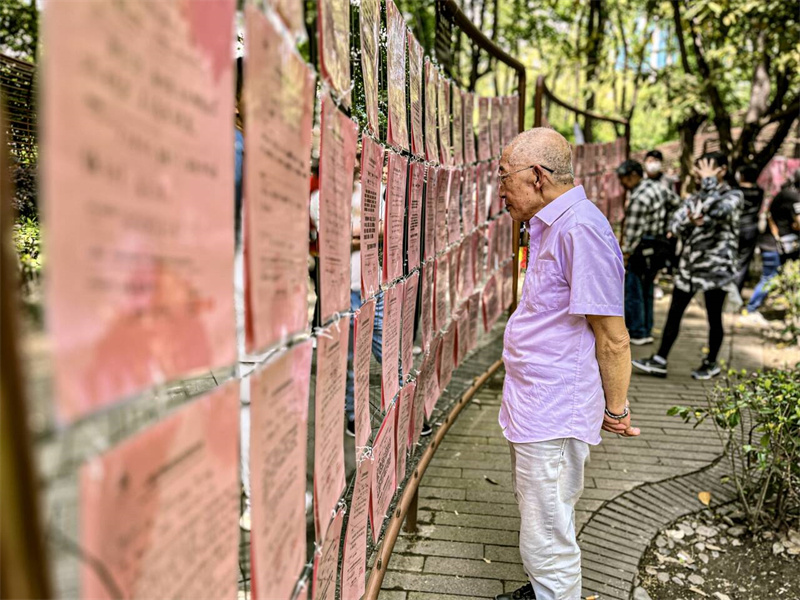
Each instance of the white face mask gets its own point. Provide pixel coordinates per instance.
(653, 167)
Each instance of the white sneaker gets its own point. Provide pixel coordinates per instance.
(642, 341)
(417, 350)
(244, 520)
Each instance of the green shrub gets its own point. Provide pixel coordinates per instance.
(27, 244)
(757, 416)
(24, 176)
(786, 285)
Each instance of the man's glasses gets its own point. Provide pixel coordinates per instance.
(503, 176)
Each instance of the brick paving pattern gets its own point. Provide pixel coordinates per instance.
(467, 542)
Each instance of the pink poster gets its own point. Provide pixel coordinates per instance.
(431, 94)
(326, 563)
(466, 273)
(426, 308)
(429, 377)
(455, 298)
(384, 473)
(371, 173)
(329, 480)
(370, 18)
(482, 256)
(484, 126)
(508, 284)
(443, 100)
(278, 435)
(362, 350)
(336, 164)
(406, 406)
(397, 135)
(495, 127)
(491, 303)
(469, 128)
(393, 218)
(481, 181)
(334, 41)
(354, 553)
(492, 235)
(409, 310)
(458, 125)
(431, 199)
(454, 207)
(447, 356)
(291, 13)
(417, 415)
(462, 333)
(416, 180)
(392, 314)
(143, 512)
(138, 196)
(279, 97)
(468, 200)
(442, 191)
(473, 317)
(415, 94)
(441, 284)
(494, 189)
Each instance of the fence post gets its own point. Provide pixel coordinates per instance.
(411, 515)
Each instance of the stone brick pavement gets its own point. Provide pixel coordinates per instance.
(466, 546)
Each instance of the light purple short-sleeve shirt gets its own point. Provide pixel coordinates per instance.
(552, 387)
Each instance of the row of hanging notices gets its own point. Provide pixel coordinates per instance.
(139, 179)
(594, 166)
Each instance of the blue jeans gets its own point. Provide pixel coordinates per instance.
(638, 304)
(771, 262)
(377, 348)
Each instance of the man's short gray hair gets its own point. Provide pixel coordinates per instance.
(546, 147)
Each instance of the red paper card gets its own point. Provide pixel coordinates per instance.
(442, 191)
(416, 180)
(384, 473)
(447, 356)
(441, 286)
(428, 388)
(454, 207)
(393, 219)
(406, 406)
(362, 350)
(354, 554)
(371, 172)
(431, 199)
(392, 315)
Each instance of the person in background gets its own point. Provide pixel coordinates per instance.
(654, 167)
(748, 221)
(708, 224)
(644, 234)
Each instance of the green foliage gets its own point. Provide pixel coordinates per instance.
(27, 243)
(19, 28)
(758, 417)
(786, 284)
(25, 189)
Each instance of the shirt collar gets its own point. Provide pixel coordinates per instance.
(550, 213)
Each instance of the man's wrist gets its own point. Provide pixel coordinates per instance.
(615, 414)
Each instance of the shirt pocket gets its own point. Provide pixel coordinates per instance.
(549, 290)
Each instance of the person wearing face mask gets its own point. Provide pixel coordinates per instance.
(653, 168)
(708, 224)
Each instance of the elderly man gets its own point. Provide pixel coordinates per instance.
(566, 355)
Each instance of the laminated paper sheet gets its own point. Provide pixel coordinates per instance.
(496, 125)
(484, 129)
(431, 199)
(334, 41)
(491, 303)
(481, 181)
(446, 360)
(507, 284)
(473, 317)
(138, 182)
(441, 284)
(428, 390)
(396, 76)
(443, 111)
(278, 436)
(291, 13)
(336, 163)
(442, 191)
(392, 323)
(279, 102)
(329, 478)
(415, 76)
(362, 350)
(166, 499)
(452, 271)
(384, 473)
(416, 182)
(354, 553)
(431, 119)
(454, 207)
(410, 288)
(326, 563)
(458, 125)
(469, 128)
(404, 410)
(426, 307)
(417, 416)
(372, 155)
(466, 272)
(370, 13)
(461, 321)
(394, 218)
(468, 200)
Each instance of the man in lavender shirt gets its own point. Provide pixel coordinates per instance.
(566, 356)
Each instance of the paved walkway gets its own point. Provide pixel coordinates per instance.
(466, 546)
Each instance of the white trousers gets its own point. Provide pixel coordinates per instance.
(548, 481)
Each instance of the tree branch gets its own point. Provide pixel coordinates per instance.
(676, 17)
(771, 148)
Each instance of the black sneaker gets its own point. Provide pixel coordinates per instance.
(655, 365)
(351, 427)
(707, 370)
(426, 430)
(523, 593)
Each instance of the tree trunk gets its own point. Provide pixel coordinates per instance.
(687, 130)
(595, 32)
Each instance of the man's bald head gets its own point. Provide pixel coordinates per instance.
(542, 146)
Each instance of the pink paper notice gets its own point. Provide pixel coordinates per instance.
(354, 554)
(329, 479)
(392, 315)
(508, 284)
(496, 125)
(278, 434)
(417, 414)
(384, 473)
(291, 12)
(468, 212)
(362, 350)
(334, 41)
(466, 274)
(445, 151)
(326, 564)
(279, 96)
(371, 173)
(441, 282)
(458, 125)
(455, 298)
(415, 183)
(415, 94)
(336, 163)
(469, 128)
(491, 303)
(431, 199)
(138, 185)
(442, 190)
(370, 14)
(428, 389)
(481, 206)
(396, 76)
(484, 141)
(409, 309)
(431, 92)
(406, 406)
(393, 219)
(447, 356)
(170, 493)
(462, 333)
(474, 317)
(454, 207)
(426, 308)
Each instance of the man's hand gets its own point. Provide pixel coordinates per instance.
(620, 426)
(706, 168)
